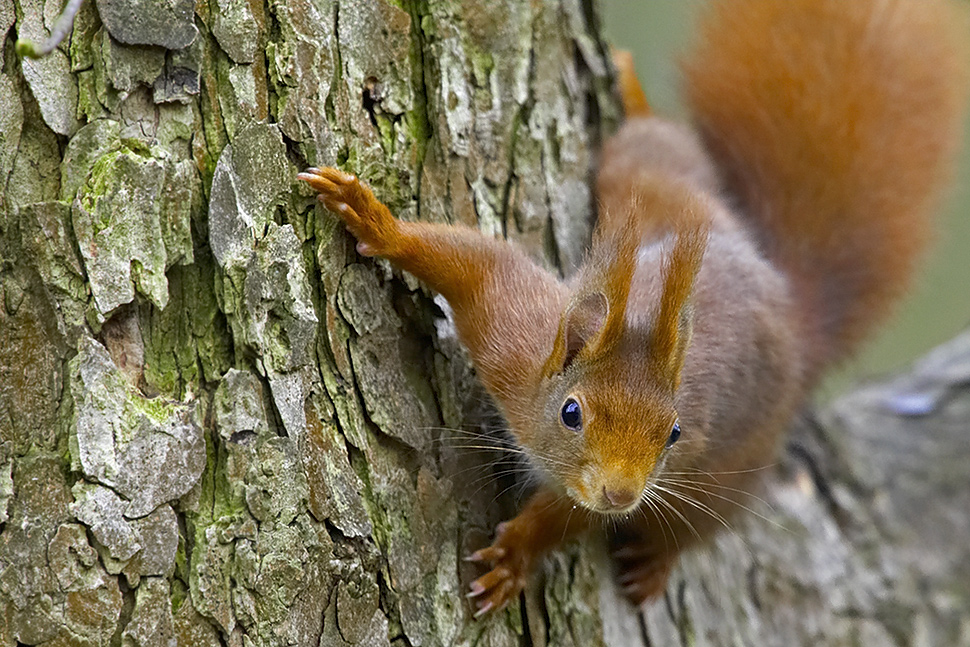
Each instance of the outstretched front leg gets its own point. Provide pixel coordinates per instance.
(506, 307)
(507, 311)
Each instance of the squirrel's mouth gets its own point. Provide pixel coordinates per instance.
(611, 509)
(614, 496)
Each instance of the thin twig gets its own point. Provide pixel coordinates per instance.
(61, 28)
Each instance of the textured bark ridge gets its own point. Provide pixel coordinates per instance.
(219, 426)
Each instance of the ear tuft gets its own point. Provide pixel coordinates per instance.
(594, 321)
(672, 329)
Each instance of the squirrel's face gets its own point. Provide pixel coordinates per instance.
(605, 440)
(605, 418)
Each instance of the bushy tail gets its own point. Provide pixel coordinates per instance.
(835, 124)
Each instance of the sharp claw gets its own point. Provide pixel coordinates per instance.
(476, 590)
(489, 554)
(331, 205)
(485, 608)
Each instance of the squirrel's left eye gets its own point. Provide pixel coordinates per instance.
(674, 434)
(571, 415)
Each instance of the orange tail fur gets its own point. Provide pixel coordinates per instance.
(634, 100)
(835, 125)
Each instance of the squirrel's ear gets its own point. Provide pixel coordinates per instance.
(672, 329)
(581, 323)
(594, 320)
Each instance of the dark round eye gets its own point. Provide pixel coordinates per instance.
(570, 415)
(674, 434)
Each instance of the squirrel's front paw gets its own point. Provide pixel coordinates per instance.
(511, 560)
(364, 215)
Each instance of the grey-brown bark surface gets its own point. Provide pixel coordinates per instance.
(218, 425)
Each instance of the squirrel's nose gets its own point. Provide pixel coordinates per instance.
(619, 497)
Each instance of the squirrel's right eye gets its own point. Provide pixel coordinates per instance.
(570, 415)
(674, 434)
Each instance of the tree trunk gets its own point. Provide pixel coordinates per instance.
(220, 426)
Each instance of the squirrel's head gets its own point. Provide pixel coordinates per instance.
(608, 389)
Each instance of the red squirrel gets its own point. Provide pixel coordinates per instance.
(732, 264)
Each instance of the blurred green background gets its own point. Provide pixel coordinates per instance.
(938, 307)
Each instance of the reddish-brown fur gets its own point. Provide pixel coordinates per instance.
(634, 100)
(848, 115)
(723, 278)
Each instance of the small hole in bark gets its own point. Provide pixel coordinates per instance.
(372, 95)
(243, 437)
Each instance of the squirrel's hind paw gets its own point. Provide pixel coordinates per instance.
(642, 576)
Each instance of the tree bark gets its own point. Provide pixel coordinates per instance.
(220, 426)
